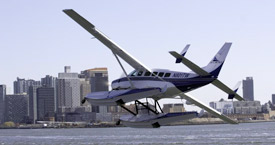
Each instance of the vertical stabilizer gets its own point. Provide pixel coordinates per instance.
(178, 60)
(215, 65)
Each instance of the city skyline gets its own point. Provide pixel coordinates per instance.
(31, 29)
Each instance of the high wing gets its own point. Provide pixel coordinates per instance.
(106, 41)
(200, 104)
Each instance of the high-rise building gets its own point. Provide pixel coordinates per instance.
(85, 88)
(273, 98)
(248, 89)
(2, 102)
(33, 103)
(48, 81)
(16, 109)
(21, 86)
(45, 103)
(68, 89)
(18, 86)
(98, 78)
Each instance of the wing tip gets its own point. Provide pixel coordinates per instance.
(67, 10)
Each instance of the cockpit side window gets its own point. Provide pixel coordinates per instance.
(167, 75)
(147, 73)
(155, 73)
(140, 73)
(161, 74)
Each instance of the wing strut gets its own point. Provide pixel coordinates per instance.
(132, 85)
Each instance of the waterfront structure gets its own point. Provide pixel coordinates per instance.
(225, 107)
(268, 107)
(258, 116)
(33, 103)
(45, 103)
(2, 102)
(80, 114)
(16, 109)
(76, 114)
(248, 89)
(170, 108)
(21, 86)
(247, 107)
(68, 89)
(237, 107)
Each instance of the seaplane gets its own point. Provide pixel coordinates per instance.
(156, 84)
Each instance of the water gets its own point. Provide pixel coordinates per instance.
(246, 133)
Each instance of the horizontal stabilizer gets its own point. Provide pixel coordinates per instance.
(226, 89)
(178, 60)
(214, 66)
(200, 104)
(235, 89)
(190, 64)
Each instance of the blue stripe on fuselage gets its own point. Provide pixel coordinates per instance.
(184, 84)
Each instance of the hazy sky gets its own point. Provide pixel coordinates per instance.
(38, 39)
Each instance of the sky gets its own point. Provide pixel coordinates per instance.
(38, 39)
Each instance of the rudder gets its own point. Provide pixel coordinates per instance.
(215, 65)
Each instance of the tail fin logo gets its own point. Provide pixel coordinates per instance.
(215, 60)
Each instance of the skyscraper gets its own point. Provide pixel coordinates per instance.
(33, 103)
(45, 103)
(16, 108)
(248, 89)
(68, 89)
(50, 81)
(2, 102)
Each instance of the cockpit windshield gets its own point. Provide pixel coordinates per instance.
(136, 73)
(133, 73)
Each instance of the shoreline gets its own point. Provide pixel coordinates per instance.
(196, 121)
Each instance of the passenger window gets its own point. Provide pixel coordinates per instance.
(155, 74)
(140, 73)
(147, 73)
(161, 74)
(167, 75)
